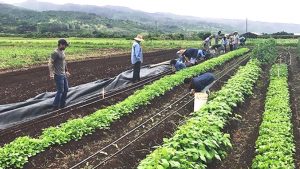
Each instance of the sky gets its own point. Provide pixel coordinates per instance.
(258, 10)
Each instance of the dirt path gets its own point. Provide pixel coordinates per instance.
(244, 132)
(294, 87)
(21, 85)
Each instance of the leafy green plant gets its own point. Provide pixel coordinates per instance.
(275, 146)
(265, 51)
(201, 140)
(77, 128)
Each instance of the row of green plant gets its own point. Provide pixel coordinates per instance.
(16, 153)
(279, 42)
(275, 146)
(201, 139)
(265, 51)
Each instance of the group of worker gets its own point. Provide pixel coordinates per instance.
(228, 41)
(191, 56)
(186, 57)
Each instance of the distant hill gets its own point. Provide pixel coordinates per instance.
(21, 21)
(185, 22)
(41, 19)
(123, 13)
(62, 23)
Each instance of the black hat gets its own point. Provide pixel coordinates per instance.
(63, 42)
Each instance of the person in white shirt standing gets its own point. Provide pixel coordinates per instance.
(236, 40)
(217, 36)
(207, 43)
(224, 43)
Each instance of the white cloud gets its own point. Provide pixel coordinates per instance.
(260, 10)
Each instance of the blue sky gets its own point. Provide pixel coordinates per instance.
(259, 10)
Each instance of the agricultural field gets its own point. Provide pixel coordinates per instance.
(22, 52)
(251, 119)
(279, 42)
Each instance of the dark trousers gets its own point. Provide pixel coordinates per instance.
(231, 47)
(62, 87)
(136, 71)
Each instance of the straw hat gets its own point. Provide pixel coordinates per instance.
(180, 52)
(139, 38)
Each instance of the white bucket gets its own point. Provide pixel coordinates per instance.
(200, 100)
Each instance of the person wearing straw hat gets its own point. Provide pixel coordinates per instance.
(192, 55)
(59, 72)
(136, 57)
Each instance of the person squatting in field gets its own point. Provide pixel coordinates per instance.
(59, 72)
(201, 83)
(191, 56)
(136, 57)
(177, 64)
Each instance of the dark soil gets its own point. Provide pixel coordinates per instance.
(34, 128)
(132, 155)
(20, 85)
(294, 87)
(244, 131)
(71, 153)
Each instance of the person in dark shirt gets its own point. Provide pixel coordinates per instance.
(192, 55)
(242, 41)
(200, 83)
(59, 72)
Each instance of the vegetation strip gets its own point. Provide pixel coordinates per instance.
(16, 153)
(275, 146)
(200, 139)
(23, 52)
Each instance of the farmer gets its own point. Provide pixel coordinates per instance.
(191, 55)
(177, 64)
(236, 40)
(231, 42)
(242, 41)
(224, 43)
(217, 36)
(59, 72)
(201, 83)
(207, 42)
(136, 57)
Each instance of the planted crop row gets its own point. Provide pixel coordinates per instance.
(16, 153)
(275, 146)
(265, 51)
(201, 140)
(279, 42)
